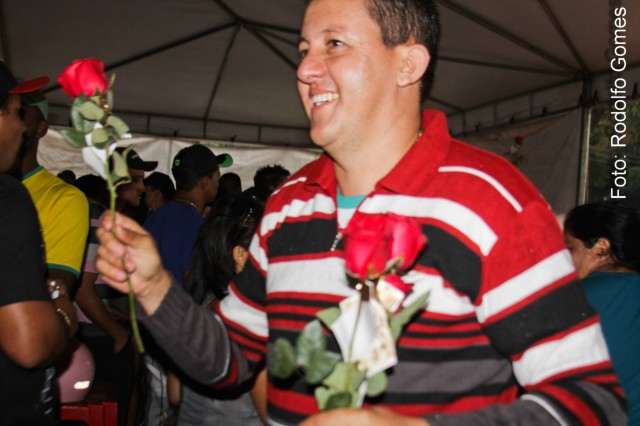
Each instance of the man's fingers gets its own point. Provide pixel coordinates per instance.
(110, 261)
(110, 243)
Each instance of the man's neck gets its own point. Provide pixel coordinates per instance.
(191, 198)
(358, 171)
(29, 161)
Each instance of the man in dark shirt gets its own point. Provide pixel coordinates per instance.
(32, 334)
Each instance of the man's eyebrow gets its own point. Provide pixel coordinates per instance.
(328, 31)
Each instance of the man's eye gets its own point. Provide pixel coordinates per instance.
(303, 53)
(21, 113)
(335, 43)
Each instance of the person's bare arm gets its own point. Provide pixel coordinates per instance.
(63, 281)
(32, 333)
(259, 395)
(173, 388)
(93, 307)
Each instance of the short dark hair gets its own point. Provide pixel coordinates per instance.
(67, 174)
(403, 20)
(267, 177)
(232, 179)
(615, 221)
(94, 188)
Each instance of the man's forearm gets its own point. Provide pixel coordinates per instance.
(194, 337)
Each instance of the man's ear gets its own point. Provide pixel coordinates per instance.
(42, 129)
(415, 60)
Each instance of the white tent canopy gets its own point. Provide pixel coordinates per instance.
(225, 69)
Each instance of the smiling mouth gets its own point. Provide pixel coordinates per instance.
(323, 98)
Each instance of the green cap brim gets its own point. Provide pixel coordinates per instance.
(224, 160)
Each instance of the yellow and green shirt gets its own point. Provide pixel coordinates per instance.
(63, 212)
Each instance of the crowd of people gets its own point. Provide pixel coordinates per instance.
(524, 324)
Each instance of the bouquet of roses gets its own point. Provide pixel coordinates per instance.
(96, 131)
(377, 249)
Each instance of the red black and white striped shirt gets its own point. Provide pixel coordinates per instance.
(505, 323)
(507, 336)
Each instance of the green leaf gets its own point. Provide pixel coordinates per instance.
(91, 111)
(399, 320)
(340, 400)
(338, 377)
(74, 138)
(322, 395)
(119, 169)
(321, 365)
(310, 340)
(111, 81)
(346, 376)
(109, 95)
(118, 180)
(81, 98)
(377, 384)
(356, 376)
(329, 316)
(79, 123)
(283, 362)
(118, 125)
(99, 136)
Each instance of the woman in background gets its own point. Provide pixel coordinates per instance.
(220, 252)
(604, 241)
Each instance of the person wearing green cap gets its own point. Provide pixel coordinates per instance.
(62, 208)
(175, 226)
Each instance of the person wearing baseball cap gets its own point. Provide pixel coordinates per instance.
(28, 393)
(13, 126)
(196, 161)
(130, 194)
(175, 227)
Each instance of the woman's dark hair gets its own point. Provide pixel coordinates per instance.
(617, 222)
(232, 222)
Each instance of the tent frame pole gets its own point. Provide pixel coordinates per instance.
(585, 136)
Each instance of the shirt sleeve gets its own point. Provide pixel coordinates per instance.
(66, 232)
(195, 338)
(534, 311)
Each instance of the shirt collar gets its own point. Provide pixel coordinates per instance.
(410, 175)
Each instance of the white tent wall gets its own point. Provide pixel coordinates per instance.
(549, 155)
(55, 154)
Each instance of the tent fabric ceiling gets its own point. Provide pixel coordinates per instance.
(225, 69)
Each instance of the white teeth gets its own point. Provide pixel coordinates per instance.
(324, 97)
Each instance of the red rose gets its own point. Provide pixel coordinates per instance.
(407, 241)
(83, 76)
(366, 246)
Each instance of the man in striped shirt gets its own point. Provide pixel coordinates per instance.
(507, 336)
